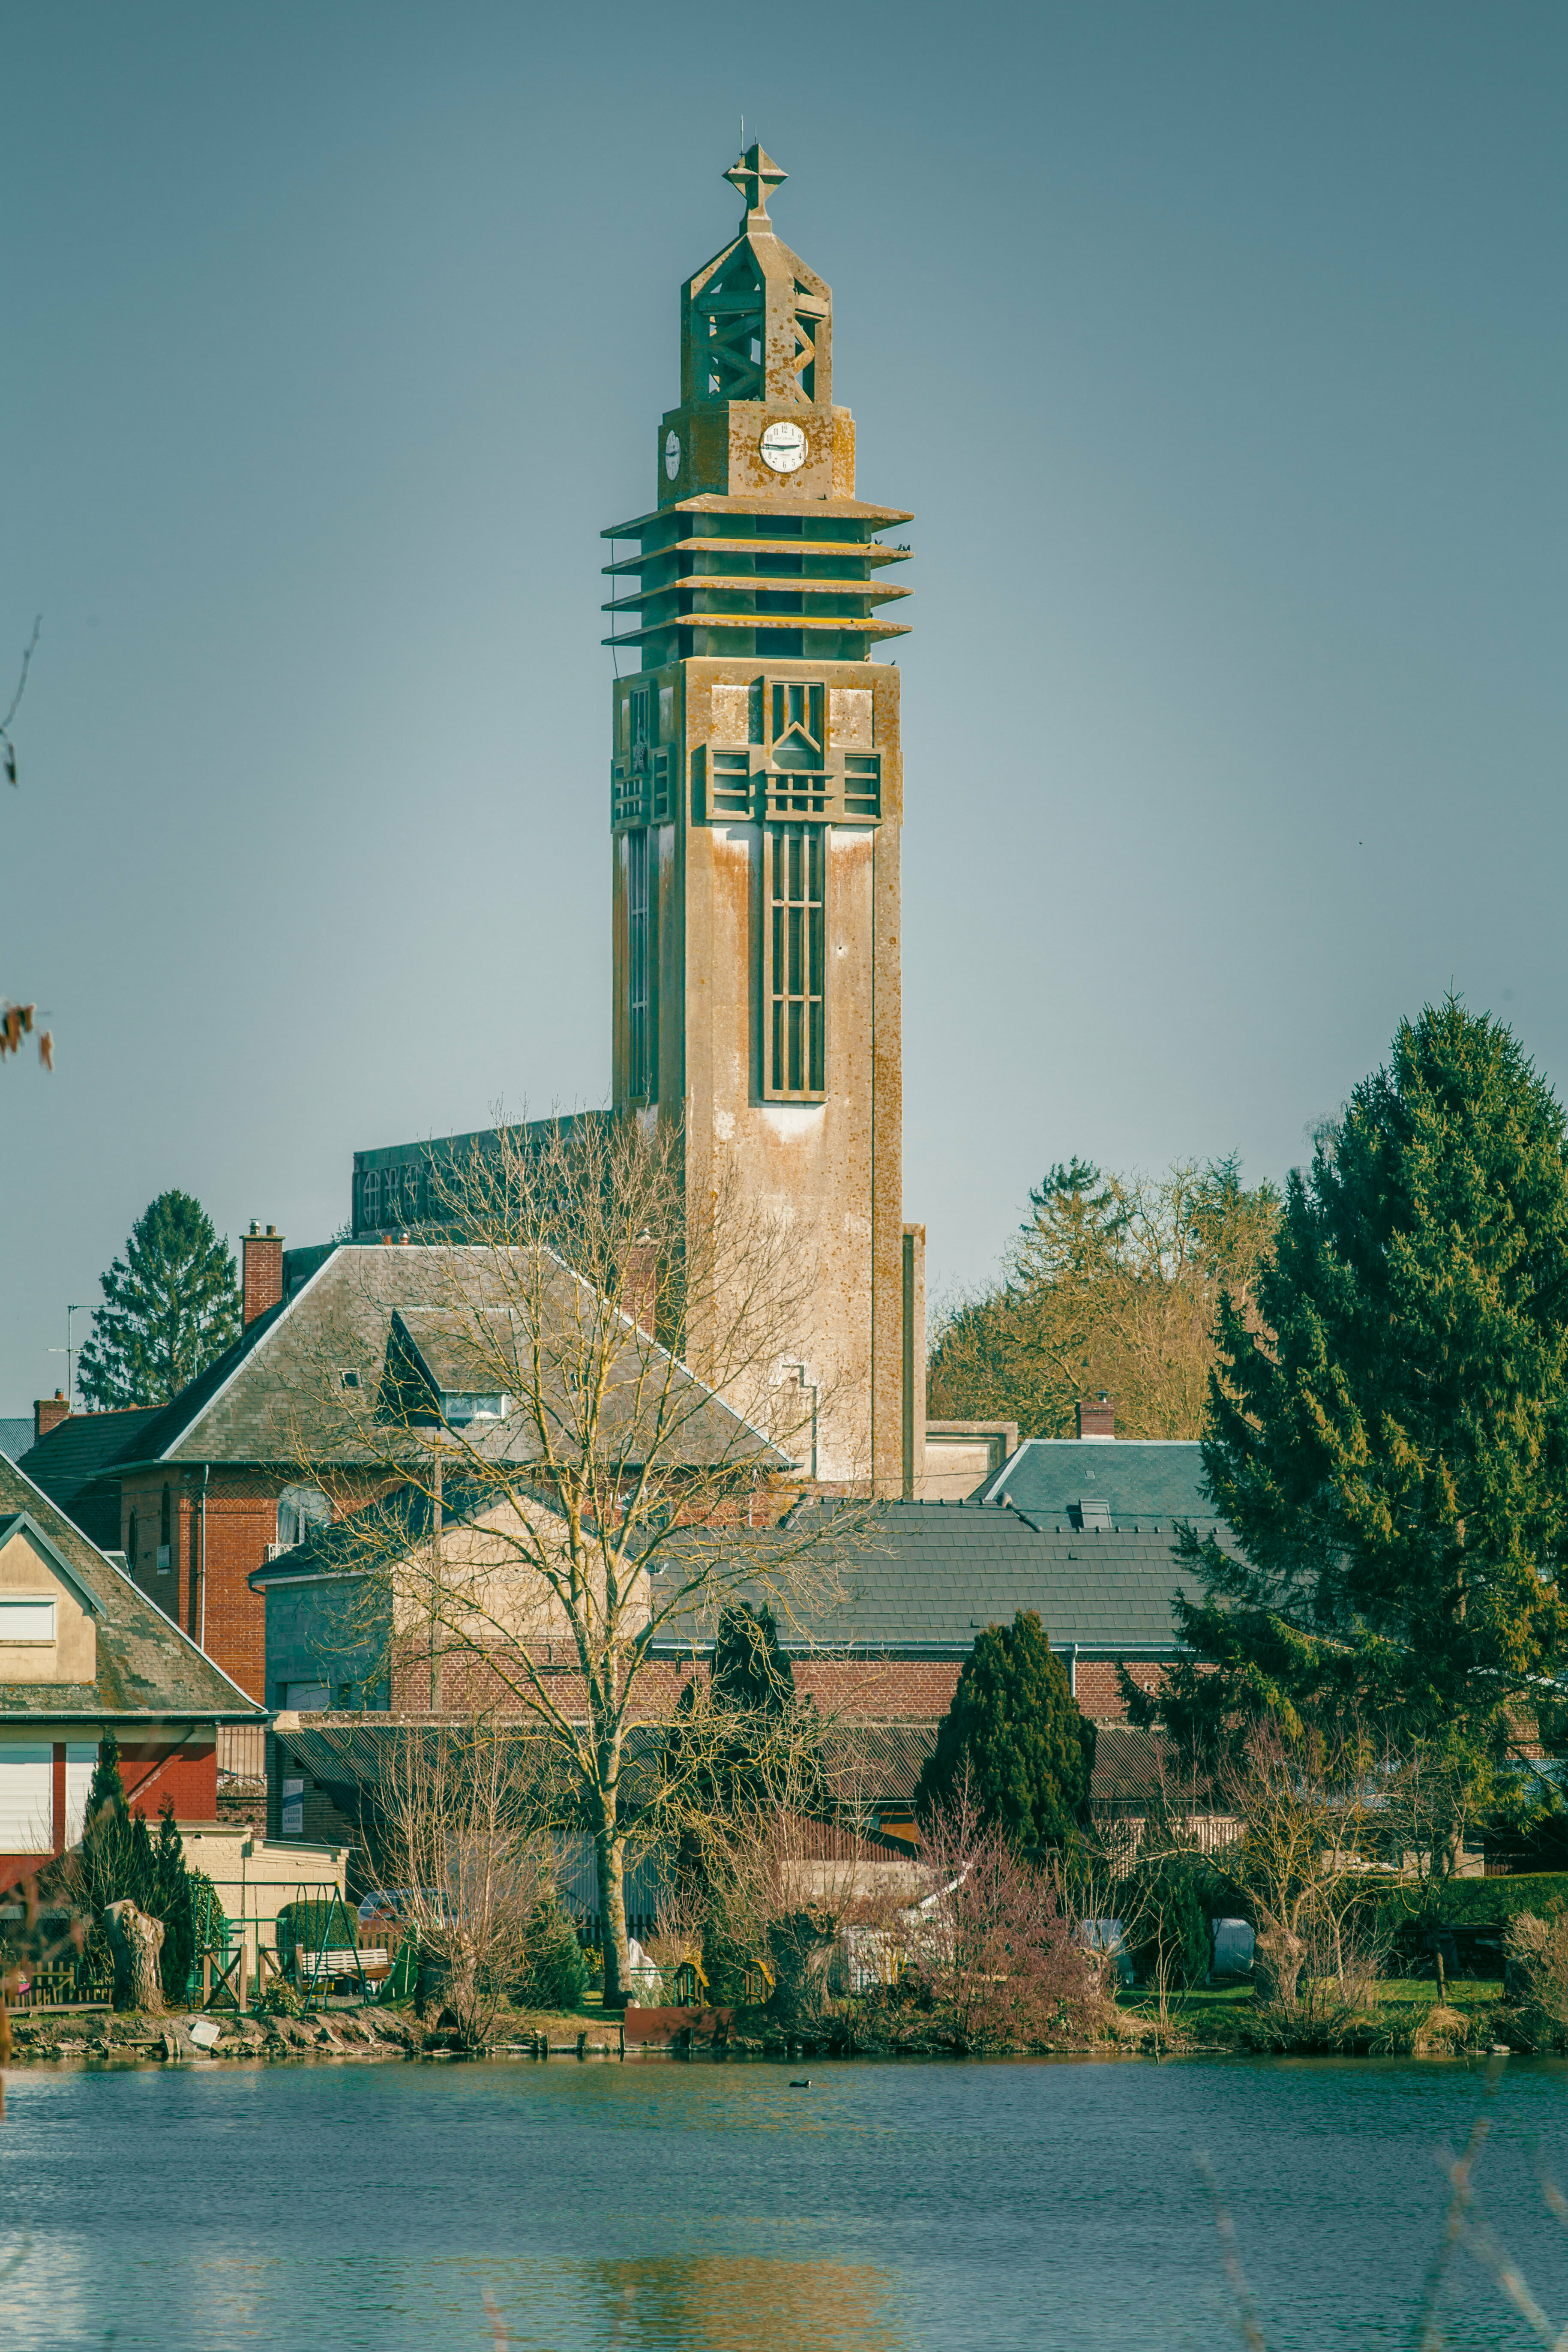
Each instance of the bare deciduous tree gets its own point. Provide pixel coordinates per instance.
(16, 1020)
(462, 1834)
(1112, 1285)
(991, 1939)
(1308, 1820)
(579, 1444)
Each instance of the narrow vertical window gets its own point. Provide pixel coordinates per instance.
(638, 1006)
(795, 1041)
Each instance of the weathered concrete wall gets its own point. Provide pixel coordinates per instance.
(831, 1169)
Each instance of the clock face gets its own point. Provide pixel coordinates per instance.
(672, 456)
(784, 447)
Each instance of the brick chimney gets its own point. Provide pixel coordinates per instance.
(49, 1412)
(1099, 1418)
(262, 1255)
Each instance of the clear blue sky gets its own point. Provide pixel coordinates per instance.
(1220, 349)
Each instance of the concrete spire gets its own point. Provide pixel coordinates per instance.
(756, 175)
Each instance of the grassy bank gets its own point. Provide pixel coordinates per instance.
(1399, 2016)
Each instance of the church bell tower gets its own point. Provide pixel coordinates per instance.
(755, 806)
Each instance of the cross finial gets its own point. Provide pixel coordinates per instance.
(755, 174)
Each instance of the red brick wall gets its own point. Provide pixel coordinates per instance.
(896, 1690)
(241, 1521)
(188, 1779)
(1097, 1692)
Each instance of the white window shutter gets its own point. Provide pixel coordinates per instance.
(26, 1799)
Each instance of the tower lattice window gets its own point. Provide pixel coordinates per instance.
(640, 993)
(794, 1044)
(730, 355)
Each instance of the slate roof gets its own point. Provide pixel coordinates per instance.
(146, 1666)
(15, 1437)
(75, 1464)
(922, 1580)
(1141, 1479)
(273, 1396)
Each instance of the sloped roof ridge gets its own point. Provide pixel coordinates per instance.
(124, 1576)
(273, 1322)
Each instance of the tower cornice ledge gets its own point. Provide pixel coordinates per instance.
(715, 502)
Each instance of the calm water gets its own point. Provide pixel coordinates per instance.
(658, 2205)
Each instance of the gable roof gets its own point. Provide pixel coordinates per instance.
(23, 1523)
(15, 1437)
(147, 1668)
(83, 1452)
(1140, 1479)
(267, 1401)
(922, 1580)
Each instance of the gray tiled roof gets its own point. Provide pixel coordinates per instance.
(926, 1578)
(77, 1464)
(146, 1666)
(1141, 1479)
(15, 1437)
(273, 1396)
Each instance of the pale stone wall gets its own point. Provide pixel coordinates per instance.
(72, 1655)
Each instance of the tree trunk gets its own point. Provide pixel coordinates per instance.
(460, 1993)
(136, 1939)
(610, 1846)
(1276, 1966)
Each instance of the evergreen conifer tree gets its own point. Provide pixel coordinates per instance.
(1392, 1452)
(750, 1667)
(1016, 1729)
(173, 1306)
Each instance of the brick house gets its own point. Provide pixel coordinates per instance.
(1092, 1555)
(83, 1650)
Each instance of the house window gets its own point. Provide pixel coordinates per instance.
(81, 1762)
(795, 1053)
(639, 973)
(132, 1538)
(25, 1621)
(165, 1537)
(300, 1508)
(26, 1799)
(468, 1405)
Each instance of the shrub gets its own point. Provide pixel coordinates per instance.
(1016, 1738)
(316, 1927)
(556, 1975)
(1474, 1902)
(1536, 1978)
(1172, 1938)
(1002, 1961)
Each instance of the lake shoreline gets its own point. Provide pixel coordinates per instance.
(375, 2035)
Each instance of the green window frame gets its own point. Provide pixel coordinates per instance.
(795, 1008)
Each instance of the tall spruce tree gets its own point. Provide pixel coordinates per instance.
(1392, 1452)
(173, 1306)
(750, 1666)
(1015, 1727)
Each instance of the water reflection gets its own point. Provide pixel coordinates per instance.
(741, 2302)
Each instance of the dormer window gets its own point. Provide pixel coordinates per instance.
(458, 1406)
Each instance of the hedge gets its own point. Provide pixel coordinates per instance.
(1478, 1902)
(317, 1926)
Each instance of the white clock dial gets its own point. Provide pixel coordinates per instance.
(672, 456)
(784, 447)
